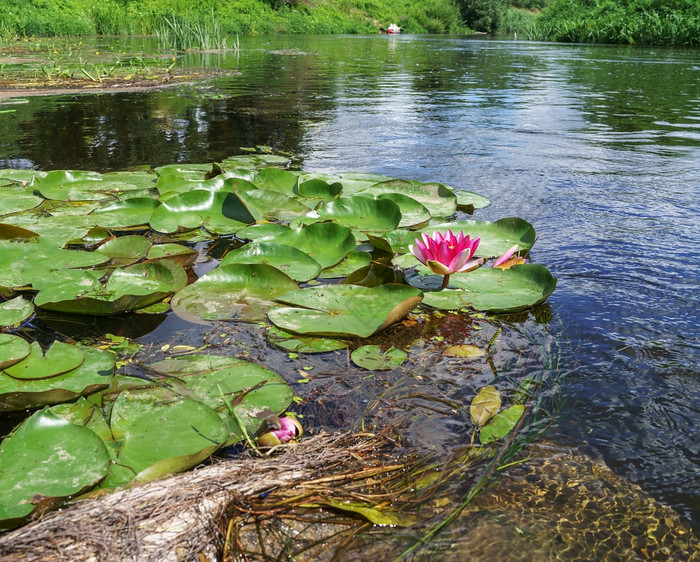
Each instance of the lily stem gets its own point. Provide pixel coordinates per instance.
(445, 281)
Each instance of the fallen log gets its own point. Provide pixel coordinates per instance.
(179, 517)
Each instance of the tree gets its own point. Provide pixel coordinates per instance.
(482, 15)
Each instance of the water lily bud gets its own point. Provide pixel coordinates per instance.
(289, 429)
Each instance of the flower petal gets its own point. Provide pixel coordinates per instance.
(437, 267)
(505, 257)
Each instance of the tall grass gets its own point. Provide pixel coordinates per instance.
(642, 22)
(182, 33)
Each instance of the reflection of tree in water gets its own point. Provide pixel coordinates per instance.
(115, 131)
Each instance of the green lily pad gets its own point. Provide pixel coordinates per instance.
(13, 349)
(363, 213)
(94, 374)
(15, 311)
(272, 205)
(58, 359)
(468, 201)
(373, 358)
(501, 424)
(320, 190)
(67, 185)
(326, 242)
(127, 213)
(262, 231)
(23, 264)
(45, 460)
(17, 199)
(344, 310)
(156, 432)
(233, 292)
(127, 289)
(439, 199)
(275, 179)
(304, 344)
(496, 290)
(253, 392)
(219, 212)
(413, 213)
(352, 262)
(182, 255)
(125, 249)
(295, 263)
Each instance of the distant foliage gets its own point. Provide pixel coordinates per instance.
(482, 15)
(642, 22)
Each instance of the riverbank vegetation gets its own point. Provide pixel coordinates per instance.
(214, 24)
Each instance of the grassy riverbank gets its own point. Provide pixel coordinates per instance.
(214, 23)
(129, 17)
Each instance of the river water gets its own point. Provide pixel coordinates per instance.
(597, 146)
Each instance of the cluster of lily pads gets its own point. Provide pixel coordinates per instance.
(322, 257)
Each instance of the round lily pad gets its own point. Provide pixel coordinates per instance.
(304, 344)
(233, 292)
(127, 213)
(344, 310)
(439, 199)
(326, 242)
(363, 213)
(295, 263)
(373, 358)
(158, 432)
(14, 311)
(59, 358)
(496, 290)
(94, 374)
(12, 350)
(45, 460)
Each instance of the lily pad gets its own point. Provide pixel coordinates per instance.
(21, 264)
(439, 199)
(127, 213)
(94, 374)
(304, 344)
(125, 249)
(373, 358)
(413, 213)
(275, 179)
(219, 212)
(468, 201)
(496, 290)
(271, 205)
(58, 359)
(363, 213)
(68, 185)
(253, 392)
(318, 189)
(127, 289)
(352, 262)
(344, 310)
(326, 242)
(464, 351)
(13, 349)
(295, 263)
(501, 424)
(15, 311)
(15, 200)
(262, 231)
(233, 292)
(485, 405)
(45, 460)
(156, 432)
(182, 255)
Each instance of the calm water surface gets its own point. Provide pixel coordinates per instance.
(598, 147)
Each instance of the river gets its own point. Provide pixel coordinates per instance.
(597, 146)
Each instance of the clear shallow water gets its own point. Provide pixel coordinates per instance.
(598, 147)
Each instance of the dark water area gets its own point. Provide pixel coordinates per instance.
(597, 146)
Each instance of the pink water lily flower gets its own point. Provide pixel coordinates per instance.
(447, 253)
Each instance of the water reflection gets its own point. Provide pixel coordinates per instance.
(596, 146)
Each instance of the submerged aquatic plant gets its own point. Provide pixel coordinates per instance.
(447, 253)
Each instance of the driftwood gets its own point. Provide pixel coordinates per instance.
(178, 518)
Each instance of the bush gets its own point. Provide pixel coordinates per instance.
(482, 15)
